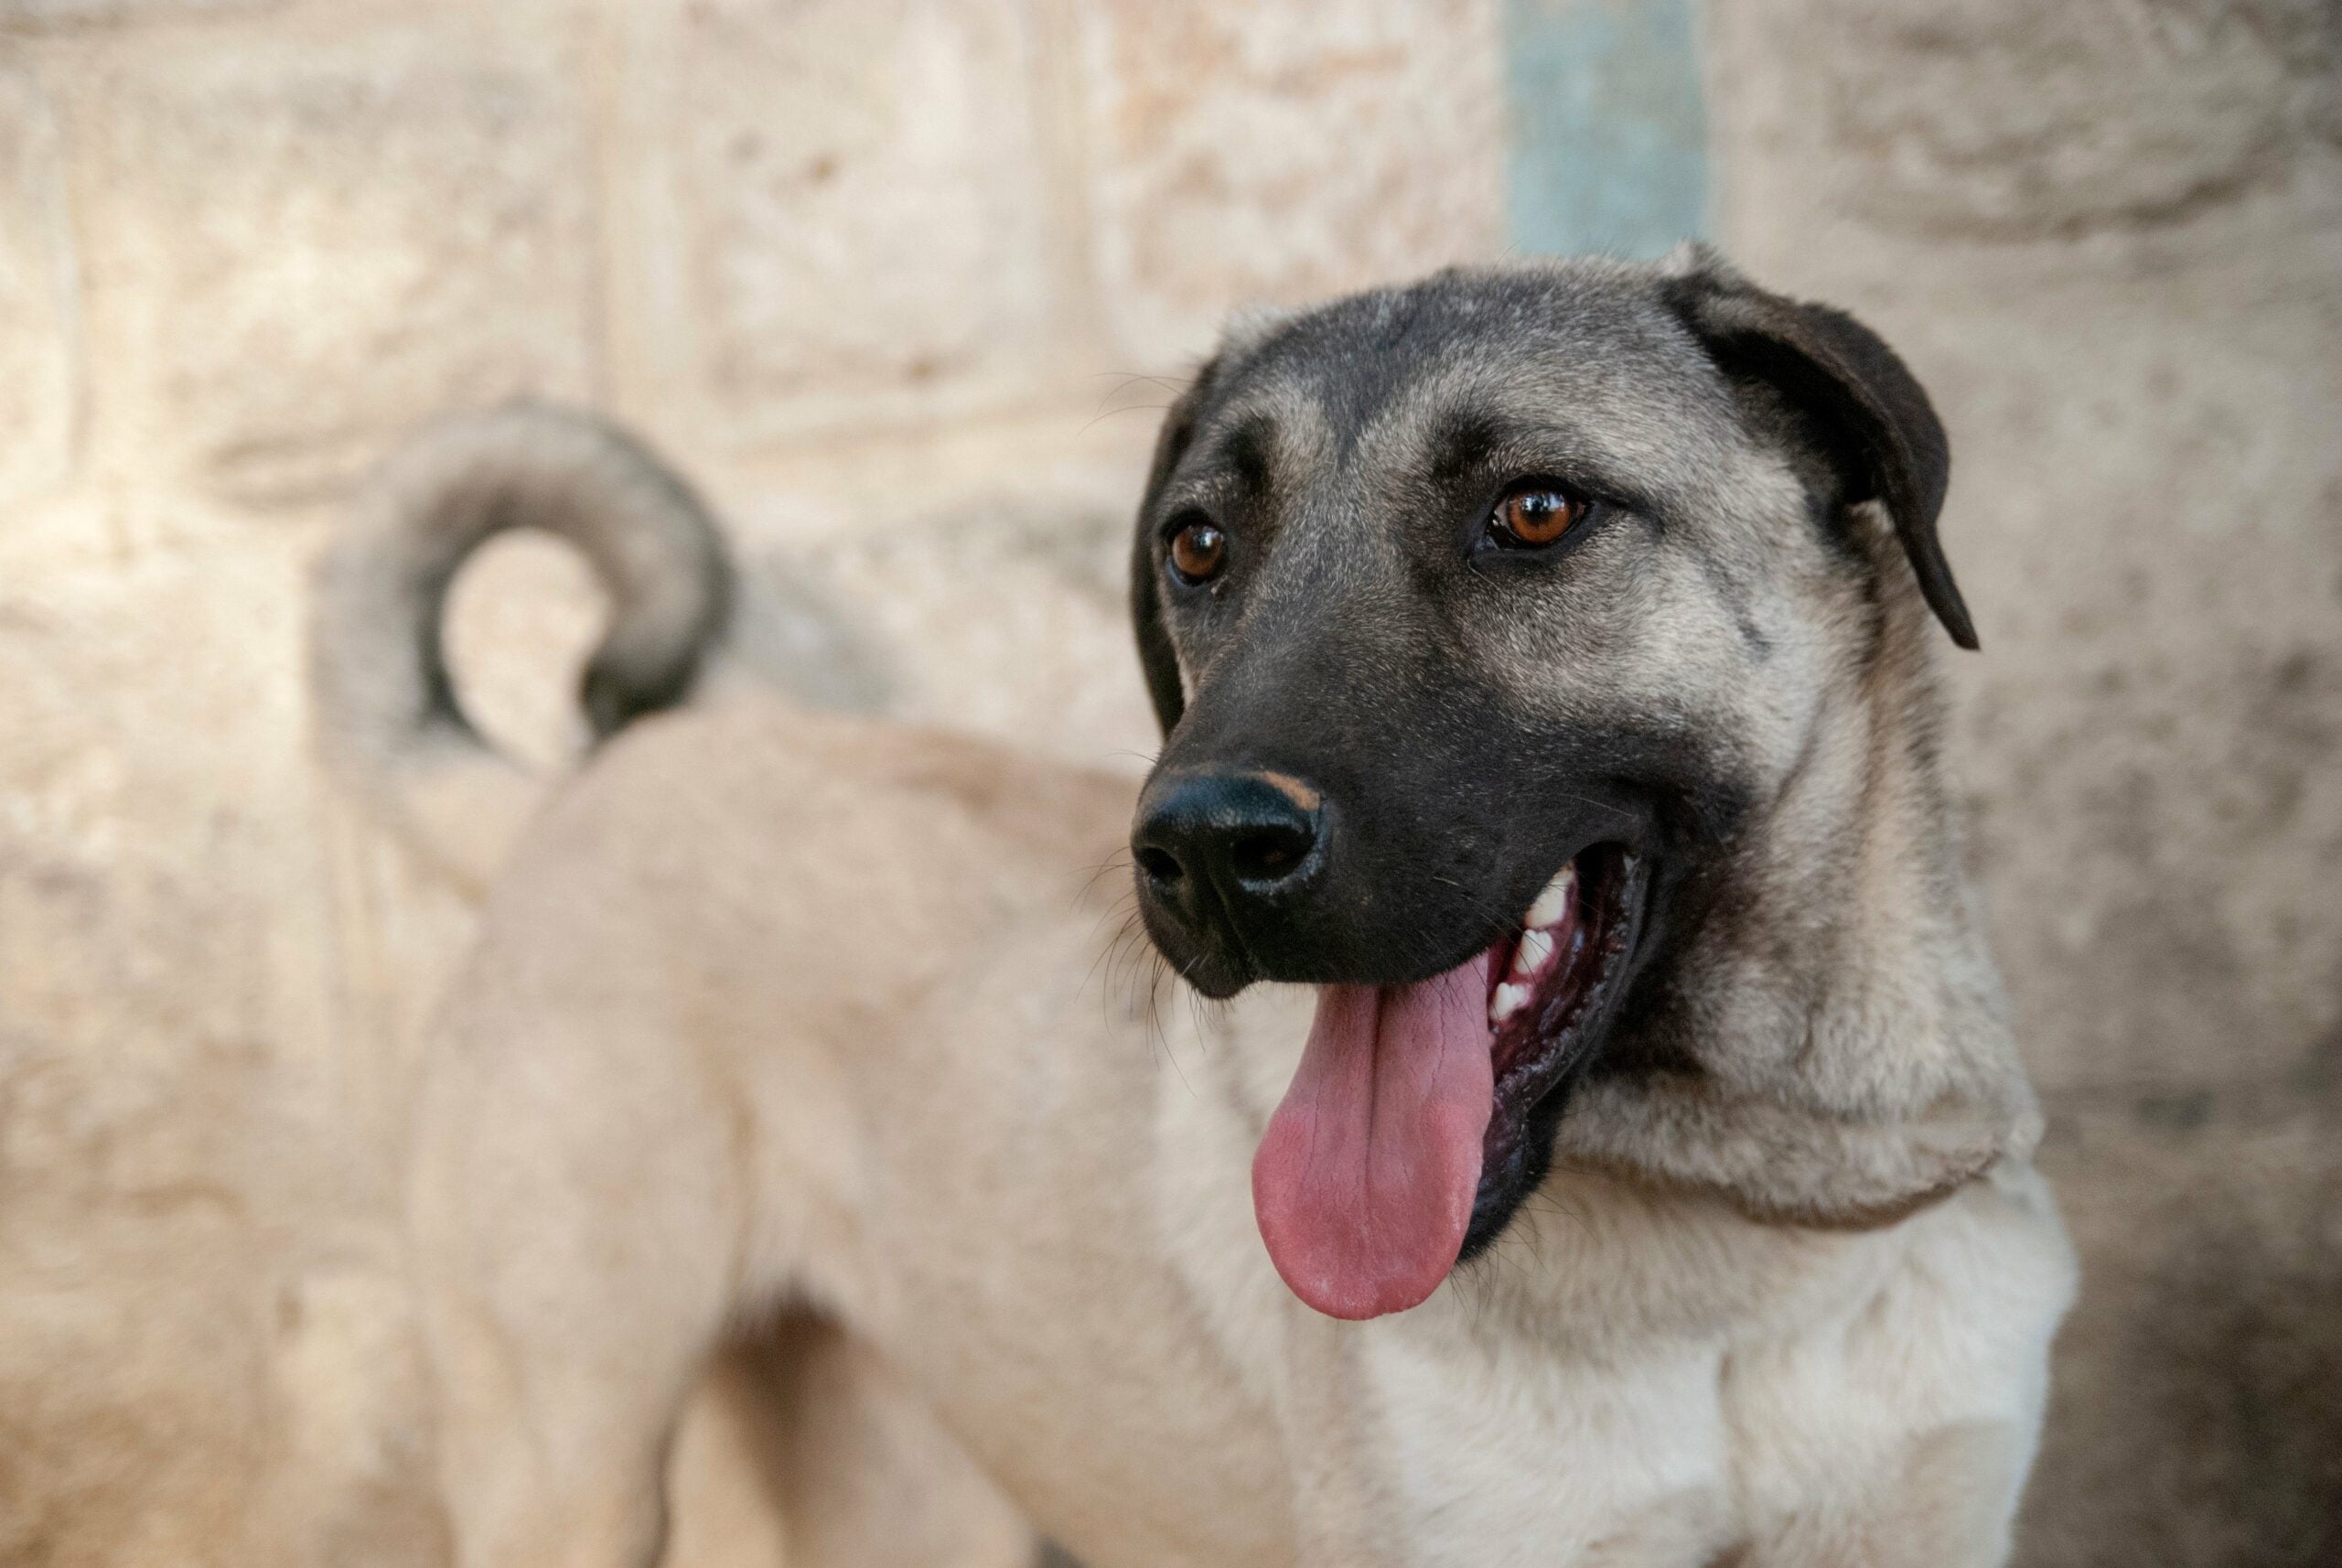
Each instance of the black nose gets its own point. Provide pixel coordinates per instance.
(1243, 836)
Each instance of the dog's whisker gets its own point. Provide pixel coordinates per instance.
(1133, 408)
(1168, 384)
(1118, 861)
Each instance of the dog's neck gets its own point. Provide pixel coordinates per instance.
(1828, 1045)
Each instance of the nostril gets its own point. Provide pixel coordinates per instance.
(1269, 853)
(1160, 864)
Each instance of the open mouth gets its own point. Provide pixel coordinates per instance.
(1420, 1116)
(1550, 988)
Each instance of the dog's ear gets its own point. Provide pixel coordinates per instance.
(1156, 657)
(1871, 414)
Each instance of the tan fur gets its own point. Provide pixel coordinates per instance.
(775, 1012)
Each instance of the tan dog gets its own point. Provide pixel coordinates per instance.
(1550, 712)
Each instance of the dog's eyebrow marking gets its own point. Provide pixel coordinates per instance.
(1461, 445)
(1246, 452)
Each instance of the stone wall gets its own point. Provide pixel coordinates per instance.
(897, 280)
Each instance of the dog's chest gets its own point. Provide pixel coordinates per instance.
(1581, 1394)
(1571, 1397)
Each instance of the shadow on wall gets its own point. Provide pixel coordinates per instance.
(2196, 1416)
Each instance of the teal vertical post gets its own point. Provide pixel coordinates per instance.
(1609, 136)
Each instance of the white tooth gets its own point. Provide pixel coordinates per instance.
(1508, 1000)
(1555, 902)
(1536, 947)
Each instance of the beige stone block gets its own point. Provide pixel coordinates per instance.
(305, 235)
(829, 214)
(2009, 119)
(160, 877)
(38, 325)
(173, 1109)
(2095, 116)
(1249, 154)
(43, 14)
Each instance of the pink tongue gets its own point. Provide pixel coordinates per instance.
(1363, 1184)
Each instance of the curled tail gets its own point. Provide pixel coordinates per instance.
(386, 705)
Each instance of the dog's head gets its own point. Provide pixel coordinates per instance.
(1541, 677)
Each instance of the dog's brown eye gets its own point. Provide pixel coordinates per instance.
(1199, 551)
(1538, 515)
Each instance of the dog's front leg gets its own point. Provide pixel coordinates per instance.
(575, 1219)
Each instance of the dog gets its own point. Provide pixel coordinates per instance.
(1596, 1136)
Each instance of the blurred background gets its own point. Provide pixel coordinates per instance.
(902, 285)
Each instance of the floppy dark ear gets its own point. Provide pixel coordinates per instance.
(1874, 415)
(1156, 657)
